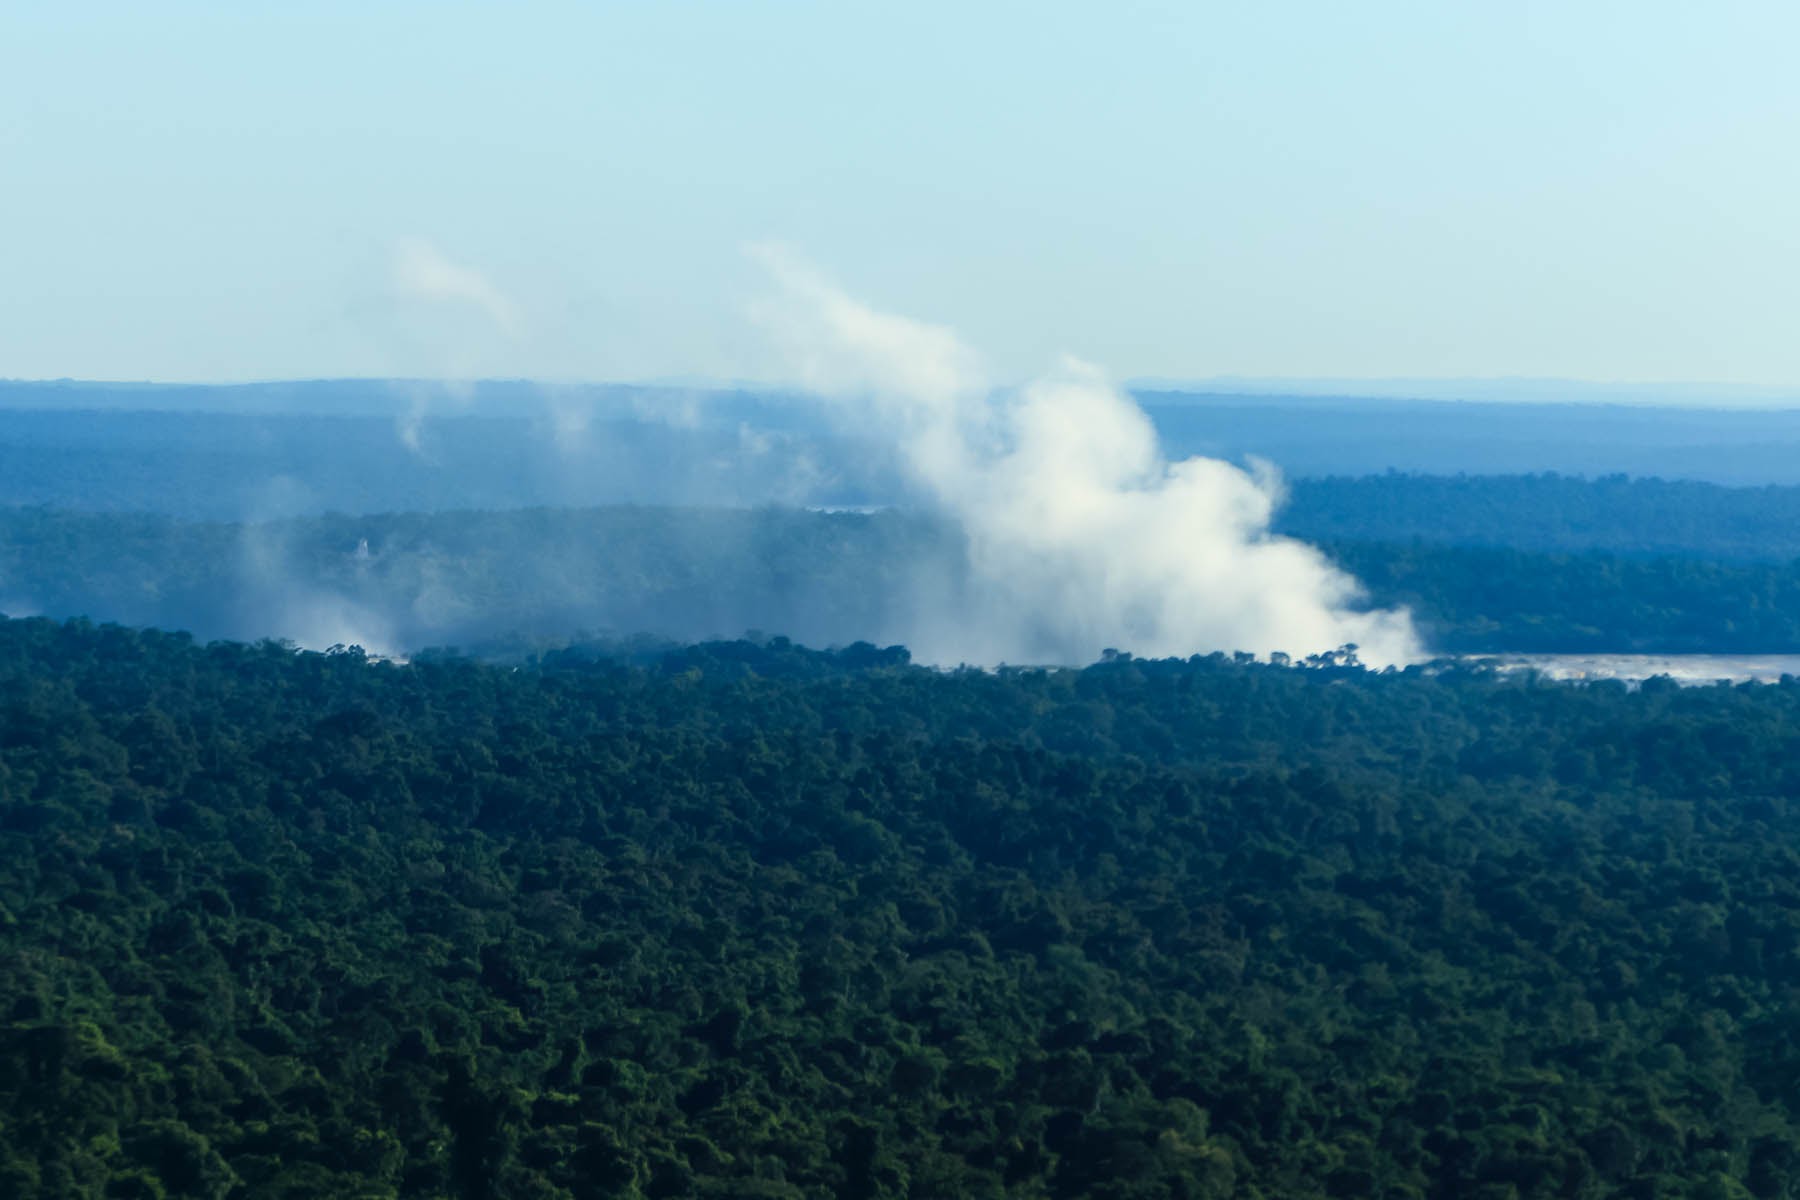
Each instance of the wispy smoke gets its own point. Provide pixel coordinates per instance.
(288, 599)
(424, 275)
(1081, 535)
(423, 272)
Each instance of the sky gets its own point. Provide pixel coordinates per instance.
(1587, 190)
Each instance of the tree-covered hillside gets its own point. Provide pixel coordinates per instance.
(400, 582)
(1550, 513)
(306, 448)
(753, 921)
(406, 581)
(1474, 599)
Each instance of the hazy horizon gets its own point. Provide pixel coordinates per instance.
(1522, 390)
(562, 191)
(959, 250)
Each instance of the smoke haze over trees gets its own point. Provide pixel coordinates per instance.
(501, 582)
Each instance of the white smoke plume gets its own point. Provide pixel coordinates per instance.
(1081, 535)
(423, 272)
(284, 597)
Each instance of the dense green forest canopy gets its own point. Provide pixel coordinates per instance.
(400, 582)
(747, 920)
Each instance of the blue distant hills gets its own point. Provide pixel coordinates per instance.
(273, 509)
(296, 447)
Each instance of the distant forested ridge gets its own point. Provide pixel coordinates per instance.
(1553, 513)
(237, 466)
(304, 449)
(749, 920)
(407, 581)
(1493, 600)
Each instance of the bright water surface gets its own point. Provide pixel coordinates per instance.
(1683, 668)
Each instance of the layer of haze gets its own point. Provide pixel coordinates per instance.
(206, 191)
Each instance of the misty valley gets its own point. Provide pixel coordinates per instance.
(604, 803)
(506, 583)
(399, 517)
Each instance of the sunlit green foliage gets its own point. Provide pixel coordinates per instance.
(747, 920)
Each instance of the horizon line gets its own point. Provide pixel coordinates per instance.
(1491, 389)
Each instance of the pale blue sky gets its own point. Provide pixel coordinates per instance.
(223, 191)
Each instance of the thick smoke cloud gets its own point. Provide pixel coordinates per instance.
(1081, 536)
